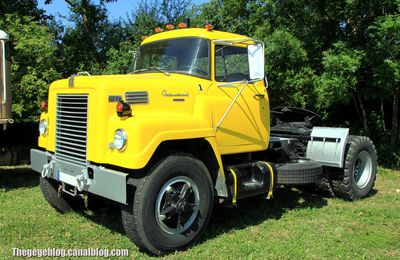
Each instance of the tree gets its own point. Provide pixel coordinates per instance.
(291, 79)
(143, 21)
(84, 45)
(32, 64)
(385, 36)
(119, 59)
(22, 8)
(339, 81)
(155, 13)
(238, 16)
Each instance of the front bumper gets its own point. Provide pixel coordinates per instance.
(98, 180)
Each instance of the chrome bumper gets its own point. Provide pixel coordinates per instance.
(98, 180)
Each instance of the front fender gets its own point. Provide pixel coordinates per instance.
(145, 134)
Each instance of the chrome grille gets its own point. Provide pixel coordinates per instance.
(71, 128)
(137, 97)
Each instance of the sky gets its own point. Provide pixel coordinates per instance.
(118, 9)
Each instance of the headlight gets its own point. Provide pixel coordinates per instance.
(120, 139)
(43, 127)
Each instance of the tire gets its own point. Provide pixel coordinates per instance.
(325, 185)
(62, 203)
(302, 172)
(359, 173)
(151, 219)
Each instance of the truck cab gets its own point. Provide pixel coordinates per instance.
(187, 127)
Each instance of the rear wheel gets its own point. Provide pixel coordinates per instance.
(359, 171)
(171, 206)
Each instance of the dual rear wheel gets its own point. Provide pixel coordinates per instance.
(357, 178)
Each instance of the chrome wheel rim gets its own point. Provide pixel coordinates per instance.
(177, 205)
(362, 169)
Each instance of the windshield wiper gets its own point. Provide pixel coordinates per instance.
(152, 68)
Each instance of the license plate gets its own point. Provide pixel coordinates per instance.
(66, 178)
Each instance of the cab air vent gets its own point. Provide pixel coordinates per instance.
(137, 97)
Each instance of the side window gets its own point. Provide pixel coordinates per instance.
(231, 63)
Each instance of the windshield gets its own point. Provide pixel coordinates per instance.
(183, 55)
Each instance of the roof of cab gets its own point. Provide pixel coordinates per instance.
(193, 32)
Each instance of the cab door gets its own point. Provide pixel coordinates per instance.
(241, 125)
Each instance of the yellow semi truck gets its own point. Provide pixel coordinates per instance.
(188, 127)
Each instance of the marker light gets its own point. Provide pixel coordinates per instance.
(158, 30)
(209, 27)
(144, 37)
(123, 109)
(182, 25)
(169, 27)
(43, 105)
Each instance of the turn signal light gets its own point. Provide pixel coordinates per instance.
(43, 105)
(169, 27)
(182, 25)
(208, 27)
(123, 109)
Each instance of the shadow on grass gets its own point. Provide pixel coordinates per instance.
(249, 212)
(105, 213)
(19, 177)
(254, 211)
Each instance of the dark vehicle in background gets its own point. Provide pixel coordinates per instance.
(15, 139)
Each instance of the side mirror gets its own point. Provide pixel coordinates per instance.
(255, 54)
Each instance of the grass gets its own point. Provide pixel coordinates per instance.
(295, 224)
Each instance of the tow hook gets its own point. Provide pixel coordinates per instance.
(47, 169)
(86, 199)
(82, 180)
(59, 190)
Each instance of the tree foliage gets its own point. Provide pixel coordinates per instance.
(339, 79)
(287, 70)
(32, 64)
(340, 58)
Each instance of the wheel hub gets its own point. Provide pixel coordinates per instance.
(182, 207)
(177, 204)
(362, 169)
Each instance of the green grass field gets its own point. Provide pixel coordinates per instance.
(295, 224)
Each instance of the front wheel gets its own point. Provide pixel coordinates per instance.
(171, 206)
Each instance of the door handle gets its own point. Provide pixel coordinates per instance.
(259, 95)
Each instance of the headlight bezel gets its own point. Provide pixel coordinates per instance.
(43, 127)
(120, 144)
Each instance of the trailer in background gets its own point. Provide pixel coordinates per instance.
(15, 139)
(5, 69)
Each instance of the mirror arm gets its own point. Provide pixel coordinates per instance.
(230, 106)
(266, 81)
